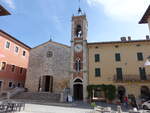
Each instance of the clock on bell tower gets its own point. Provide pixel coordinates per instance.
(79, 59)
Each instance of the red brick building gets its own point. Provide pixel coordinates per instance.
(13, 61)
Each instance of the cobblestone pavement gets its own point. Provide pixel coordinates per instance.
(78, 107)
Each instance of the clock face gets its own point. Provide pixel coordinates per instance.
(78, 48)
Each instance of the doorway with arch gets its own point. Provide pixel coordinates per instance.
(78, 89)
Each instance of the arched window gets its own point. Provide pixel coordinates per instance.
(79, 31)
(2, 65)
(78, 65)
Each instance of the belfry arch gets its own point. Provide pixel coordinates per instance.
(78, 31)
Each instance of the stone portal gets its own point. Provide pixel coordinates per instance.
(47, 83)
(78, 91)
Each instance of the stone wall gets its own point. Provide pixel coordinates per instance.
(57, 66)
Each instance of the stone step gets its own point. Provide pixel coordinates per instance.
(43, 96)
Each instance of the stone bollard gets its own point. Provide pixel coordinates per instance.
(119, 109)
(61, 97)
(8, 95)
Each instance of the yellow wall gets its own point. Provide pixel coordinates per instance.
(129, 63)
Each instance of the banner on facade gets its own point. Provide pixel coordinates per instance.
(147, 63)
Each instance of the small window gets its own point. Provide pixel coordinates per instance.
(78, 65)
(16, 49)
(1, 84)
(7, 45)
(96, 47)
(13, 68)
(10, 84)
(21, 70)
(49, 54)
(97, 57)
(116, 46)
(97, 72)
(24, 53)
(119, 73)
(140, 56)
(117, 57)
(142, 73)
(3, 66)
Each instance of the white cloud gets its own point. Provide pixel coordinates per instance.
(122, 9)
(10, 3)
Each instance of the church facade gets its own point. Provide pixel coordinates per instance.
(54, 67)
(48, 70)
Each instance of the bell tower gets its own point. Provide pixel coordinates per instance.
(79, 61)
(79, 25)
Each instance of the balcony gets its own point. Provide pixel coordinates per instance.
(131, 78)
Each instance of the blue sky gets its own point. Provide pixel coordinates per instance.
(35, 21)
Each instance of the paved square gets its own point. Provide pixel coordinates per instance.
(34, 108)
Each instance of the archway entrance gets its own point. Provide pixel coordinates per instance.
(121, 93)
(47, 83)
(145, 93)
(78, 90)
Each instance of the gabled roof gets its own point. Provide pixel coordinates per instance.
(11, 37)
(145, 16)
(52, 42)
(3, 11)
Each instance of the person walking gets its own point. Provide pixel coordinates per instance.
(126, 101)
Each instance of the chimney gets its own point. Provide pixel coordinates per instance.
(123, 39)
(147, 37)
(129, 38)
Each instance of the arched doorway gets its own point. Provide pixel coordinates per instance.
(121, 93)
(78, 90)
(145, 93)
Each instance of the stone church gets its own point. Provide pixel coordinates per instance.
(54, 67)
